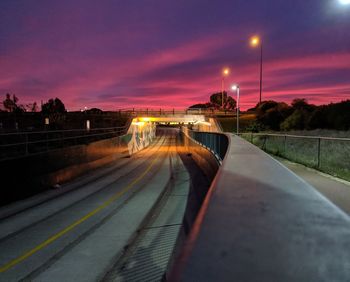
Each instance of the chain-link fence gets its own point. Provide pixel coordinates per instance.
(327, 154)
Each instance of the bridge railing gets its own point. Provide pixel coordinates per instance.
(328, 154)
(217, 143)
(18, 144)
(163, 112)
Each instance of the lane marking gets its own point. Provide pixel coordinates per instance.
(47, 242)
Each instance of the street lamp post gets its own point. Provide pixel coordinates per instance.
(235, 87)
(225, 72)
(254, 42)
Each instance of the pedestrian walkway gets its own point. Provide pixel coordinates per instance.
(261, 222)
(335, 189)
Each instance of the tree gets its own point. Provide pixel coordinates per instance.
(271, 113)
(216, 101)
(10, 104)
(302, 104)
(297, 120)
(53, 106)
(338, 115)
(55, 110)
(32, 107)
(19, 109)
(94, 111)
(230, 104)
(318, 118)
(201, 106)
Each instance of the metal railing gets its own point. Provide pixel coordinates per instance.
(328, 154)
(217, 143)
(18, 144)
(167, 112)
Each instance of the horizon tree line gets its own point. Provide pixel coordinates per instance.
(10, 104)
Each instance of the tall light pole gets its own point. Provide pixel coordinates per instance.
(235, 87)
(254, 42)
(225, 72)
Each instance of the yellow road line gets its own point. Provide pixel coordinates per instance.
(113, 198)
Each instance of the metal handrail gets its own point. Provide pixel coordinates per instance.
(312, 154)
(174, 111)
(58, 139)
(298, 136)
(212, 141)
(23, 141)
(60, 131)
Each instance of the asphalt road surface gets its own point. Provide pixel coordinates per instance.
(80, 234)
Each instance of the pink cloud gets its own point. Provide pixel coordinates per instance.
(114, 81)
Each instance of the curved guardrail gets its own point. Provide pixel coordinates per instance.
(217, 143)
(261, 222)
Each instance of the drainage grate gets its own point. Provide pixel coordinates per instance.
(150, 257)
(147, 258)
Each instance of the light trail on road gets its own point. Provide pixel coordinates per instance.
(30, 250)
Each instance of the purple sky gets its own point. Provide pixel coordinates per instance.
(161, 53)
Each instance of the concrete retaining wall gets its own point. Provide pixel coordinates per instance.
(24, 177)
(208, 149)
(203, 157)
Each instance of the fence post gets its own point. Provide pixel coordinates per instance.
(26, 143)
(219, 146)
(47, 142)
(285, 145)
(251, 137)
(264, 143)
(319, 153)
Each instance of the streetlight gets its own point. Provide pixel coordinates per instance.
(225, 72)
(235, 87)
(255, 41)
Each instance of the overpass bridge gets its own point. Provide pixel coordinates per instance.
(19, 143)
(135, 219)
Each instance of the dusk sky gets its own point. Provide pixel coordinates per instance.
(169, 53)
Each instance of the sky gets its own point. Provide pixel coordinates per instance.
(114, 54)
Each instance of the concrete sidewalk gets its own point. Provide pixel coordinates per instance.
(335, 189)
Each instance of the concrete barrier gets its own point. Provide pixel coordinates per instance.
(206, 150)
(261, 222)
(204, 158)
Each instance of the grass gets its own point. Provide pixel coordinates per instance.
(334, 157)
(229, 124)
(329, 156)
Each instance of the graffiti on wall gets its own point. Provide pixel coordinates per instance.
(141, 134)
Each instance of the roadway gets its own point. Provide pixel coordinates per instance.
(80, 234)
